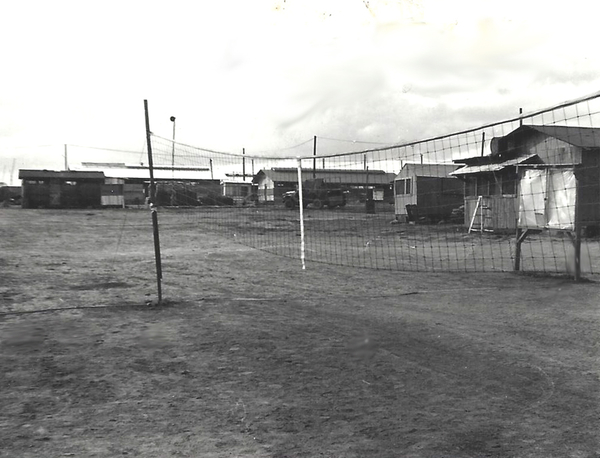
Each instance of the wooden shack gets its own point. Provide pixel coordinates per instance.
(242, 192)
(428, 186)
(61, 189)
(493, 180)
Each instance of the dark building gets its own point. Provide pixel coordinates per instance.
(61, 189)
(430, 188)
(9, 194)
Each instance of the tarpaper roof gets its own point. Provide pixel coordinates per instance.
(67, 175)
(493, 167)
(430, 170)
(584, 137)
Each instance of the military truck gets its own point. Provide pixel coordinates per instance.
(316, 193)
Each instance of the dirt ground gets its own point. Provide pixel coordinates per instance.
(249, 356)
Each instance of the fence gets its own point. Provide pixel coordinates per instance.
(518, 194)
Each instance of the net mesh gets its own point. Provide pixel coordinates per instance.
(522, 193)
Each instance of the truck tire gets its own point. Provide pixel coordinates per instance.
(289, 203)
(317, 203)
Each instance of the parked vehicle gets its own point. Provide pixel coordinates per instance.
(316, 193)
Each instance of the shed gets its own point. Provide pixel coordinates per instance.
(9, 194)
(242, 192)
(273, 183)
(494, 178)
(428, 186)
(60, 189)
(127, 184)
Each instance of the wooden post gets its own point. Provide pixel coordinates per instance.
(153, 206)
(518, 250)
(577, 243)
(521, 118)
(301, 208)
(577, 240)
(243, 164)
(482, 143)
(173, 148)
(314, 157)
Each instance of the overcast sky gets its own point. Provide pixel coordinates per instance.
(267, 74)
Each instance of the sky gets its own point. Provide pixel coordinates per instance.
(268, 74)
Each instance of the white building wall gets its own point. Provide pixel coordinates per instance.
(402, 200)
(113, 201)
(266, 190)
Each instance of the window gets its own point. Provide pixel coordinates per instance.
(509, 186)
(470, 186)
(482, 186)
(403, 186)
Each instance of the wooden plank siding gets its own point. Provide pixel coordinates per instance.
(503, 211)
(588, 177)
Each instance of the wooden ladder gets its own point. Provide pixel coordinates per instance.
(482, 215)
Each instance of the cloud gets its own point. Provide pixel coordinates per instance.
(271, 73)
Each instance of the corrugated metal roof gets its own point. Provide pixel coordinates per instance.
(429, 170)
(67, 175)
(584, 137)
(494, 167)
(343, 176)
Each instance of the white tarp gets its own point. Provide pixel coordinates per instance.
(562, 195)
(547, 199)
(532, 199)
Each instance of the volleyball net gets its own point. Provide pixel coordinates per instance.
(521, 194)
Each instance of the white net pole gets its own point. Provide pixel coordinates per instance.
(301, 207)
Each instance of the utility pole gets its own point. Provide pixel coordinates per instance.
(173, 148)
(520, 116)
(12, 171)
(66, 158)
(243, 164)
(314, 157)
(482, 144)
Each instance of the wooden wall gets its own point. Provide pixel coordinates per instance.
(503, 212)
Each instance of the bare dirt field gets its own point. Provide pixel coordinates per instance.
(249, 356)
(352, 238)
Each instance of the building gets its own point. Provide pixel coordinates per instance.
(242, 192)
(492, 181)
(127, 185)
(9, 194)
(428, 186)
(271, 184)
(61, 189)
(117, 185)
